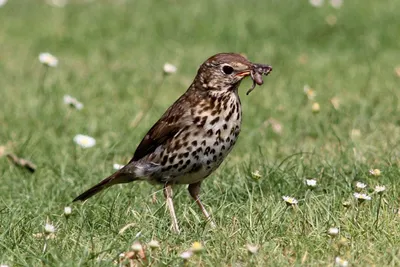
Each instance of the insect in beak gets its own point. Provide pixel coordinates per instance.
(256, 75)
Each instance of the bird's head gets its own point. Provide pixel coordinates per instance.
(225, 71)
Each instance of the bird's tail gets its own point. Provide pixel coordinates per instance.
(116, 178)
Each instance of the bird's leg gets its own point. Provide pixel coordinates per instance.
(194, 190)
(170, 205)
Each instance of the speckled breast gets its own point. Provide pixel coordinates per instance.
(197, 150)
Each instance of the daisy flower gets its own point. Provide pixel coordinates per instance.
(361, 197)
(256, 175)
(48, 59)
(360, 185)
(186, 255)
(336, 3)
(333, 231)
(252, 249)
(84, 141)
(380, 188)
(154, 244)
(316, 3)
(310, 93)
(315, 107)
(67, 211)
(73, 102)
(49, 228)
(311, 182)
(169, 68)
(375, 172)
(197, 247)
(2, 3)
(341, 262)
(290, 200)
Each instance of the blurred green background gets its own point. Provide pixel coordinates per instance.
(111, 56)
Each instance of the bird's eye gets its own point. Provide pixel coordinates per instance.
(227, 69)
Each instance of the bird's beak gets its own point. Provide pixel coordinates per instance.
(244, 73)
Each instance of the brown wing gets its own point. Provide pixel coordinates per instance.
(173, 120)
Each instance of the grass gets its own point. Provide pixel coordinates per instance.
(111, 55)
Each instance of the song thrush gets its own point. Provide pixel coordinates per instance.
(194, 135)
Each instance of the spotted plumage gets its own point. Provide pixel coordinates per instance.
(194, 135)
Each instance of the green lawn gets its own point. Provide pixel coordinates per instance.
(111, 55)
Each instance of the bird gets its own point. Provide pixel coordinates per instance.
(194, 135)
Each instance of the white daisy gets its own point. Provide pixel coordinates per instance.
(186, 255)
(117, 166)
(73, 102)
(360, 185)
(317, 3)
(336, 3)
(361, 197)
(252, 249)
(375, 172)
(341, 262)
(67, 211)
(310, 93)
(311, 182)
(333, 231)
(2, 3)
(84, 141)
(290, 200)
(169, 68)
(49, 228)
(380, 188)
(48, 59)
(154, 244)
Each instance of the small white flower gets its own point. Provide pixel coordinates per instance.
(252, 249)
(256, 175)
(137, 247)
(290, 200)
(73, 102)
(154, 244)
(49, 228)
(2, 3)
(169, 68)
(84, 140)
(360, 185)
(341, 262)
(186, 254)
(333, 231)
(3, 265)
(375, 172)
(67, 211)
(310, 93)
(361, 197)
(380, 188)
(48, 59)
(317, 3)
(336, 3)
(117, 166)
(311, 182)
